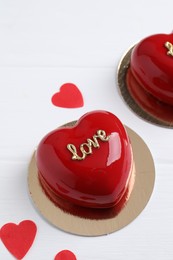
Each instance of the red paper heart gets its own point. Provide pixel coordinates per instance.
(65, 255)
(96, 177)
(18, 238)
(69, 96)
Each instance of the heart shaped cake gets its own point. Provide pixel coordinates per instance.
(88, 164)
(151, 66)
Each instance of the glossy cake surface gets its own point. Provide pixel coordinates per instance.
(152, 66)
(88, 164)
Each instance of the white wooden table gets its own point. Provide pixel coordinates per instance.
(44, 44)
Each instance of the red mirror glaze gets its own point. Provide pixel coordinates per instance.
(152, 66)
(101, 178)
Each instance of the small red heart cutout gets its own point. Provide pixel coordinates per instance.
(18, 238)
(65, 255)
(69, 96)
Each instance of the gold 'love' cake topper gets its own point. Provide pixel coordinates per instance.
(86, 148)
(169, 46)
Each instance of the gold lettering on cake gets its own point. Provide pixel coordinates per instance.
(169, 46)
(86, 148)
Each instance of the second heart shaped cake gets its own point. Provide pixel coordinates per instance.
(151, 65)
(88, 164)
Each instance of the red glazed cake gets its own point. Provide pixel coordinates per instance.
(151, 66)
(87, 165)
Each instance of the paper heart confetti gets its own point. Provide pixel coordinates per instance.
(65, 255)
(69, 96)
(18, 238)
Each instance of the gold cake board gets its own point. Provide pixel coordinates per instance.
(140, 195)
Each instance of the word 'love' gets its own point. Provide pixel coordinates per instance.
(86, 148)
(169, 46)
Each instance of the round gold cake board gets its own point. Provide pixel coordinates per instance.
(142, 103)
(140, 195)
